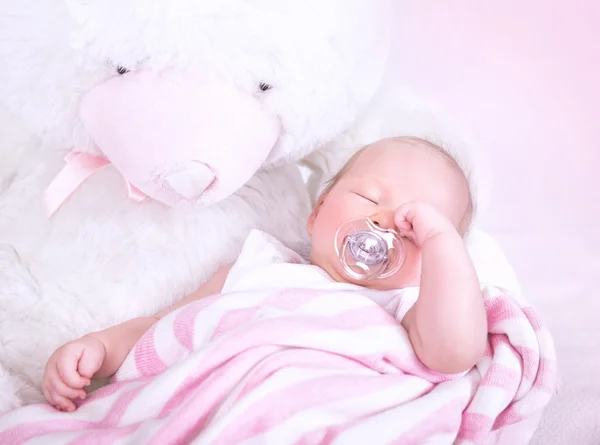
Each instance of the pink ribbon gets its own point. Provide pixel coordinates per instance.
(79, 166)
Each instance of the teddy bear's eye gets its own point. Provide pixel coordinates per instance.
(122, 70)
(264, 86)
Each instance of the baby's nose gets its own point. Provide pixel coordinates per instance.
(384, 219)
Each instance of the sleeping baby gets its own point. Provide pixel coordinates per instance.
(393, 219)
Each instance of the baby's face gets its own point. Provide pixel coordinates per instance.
(386, 175)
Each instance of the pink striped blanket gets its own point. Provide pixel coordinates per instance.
(306, 367)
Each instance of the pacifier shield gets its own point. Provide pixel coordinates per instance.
(366, 251)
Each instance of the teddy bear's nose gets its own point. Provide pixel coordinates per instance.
(191, 179)
(180, 136)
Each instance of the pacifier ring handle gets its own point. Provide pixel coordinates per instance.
(366, 251)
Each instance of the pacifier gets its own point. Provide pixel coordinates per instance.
(366, 251)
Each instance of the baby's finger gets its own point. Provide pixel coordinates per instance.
(67, 369)
(409, 234)
(57, 386)
(62, 403)
(404, 225)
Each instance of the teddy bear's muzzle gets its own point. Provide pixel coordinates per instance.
(179, 137)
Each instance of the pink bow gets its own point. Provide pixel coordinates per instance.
(79, 166)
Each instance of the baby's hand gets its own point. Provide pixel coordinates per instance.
(70, 369)
(420, 222)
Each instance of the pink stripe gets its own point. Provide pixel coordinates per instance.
(234, 319)
(508, 417)
(501, 376)
(444, 420)
(288, 300)
(216, 383)
(196, 400)
(183, 328)
(475, 426)
(118, 408)
(104, 437)
(295, 358)
(29, 430)
(531, 362)
(183, 325)
(499, 310)
(277, 331)
(275, 408)
(219, 379)
(147, 361)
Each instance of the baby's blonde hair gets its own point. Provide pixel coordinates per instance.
(465, 223)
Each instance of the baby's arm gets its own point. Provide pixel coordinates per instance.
(119, 340)
(101, 354)
(447, 326)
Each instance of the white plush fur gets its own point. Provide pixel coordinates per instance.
(102, 258)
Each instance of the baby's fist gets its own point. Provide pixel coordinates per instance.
(420, 222)
(70, 369)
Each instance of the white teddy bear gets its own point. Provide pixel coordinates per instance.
(198, 109)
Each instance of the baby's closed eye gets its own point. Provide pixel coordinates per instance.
(366, 196)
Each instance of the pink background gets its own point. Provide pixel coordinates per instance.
(523, 75)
